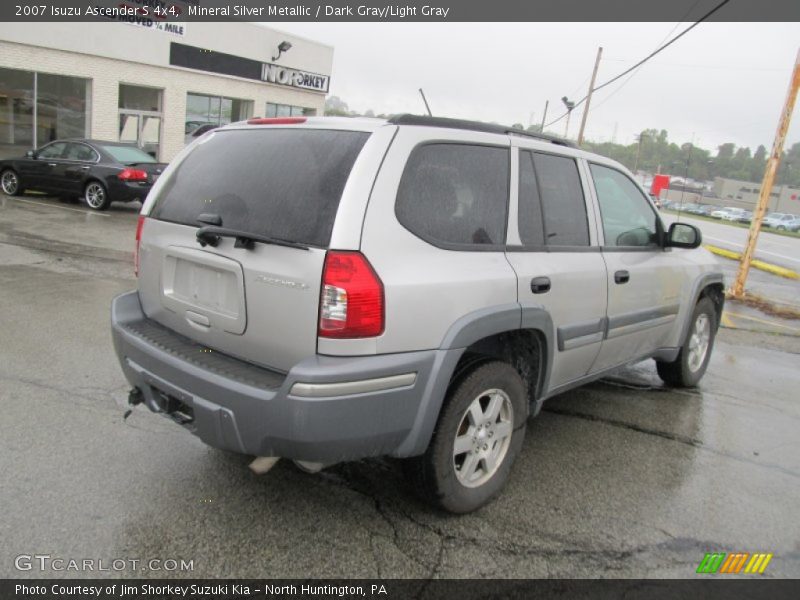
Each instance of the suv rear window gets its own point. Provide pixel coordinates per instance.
(281, 183)
(455, 195)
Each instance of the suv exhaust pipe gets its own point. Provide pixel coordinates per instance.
(262, 464)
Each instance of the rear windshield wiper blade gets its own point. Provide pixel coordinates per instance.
(210, 235)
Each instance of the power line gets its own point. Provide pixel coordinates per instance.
(664, 39)
(646, 58)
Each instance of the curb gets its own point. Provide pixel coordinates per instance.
(758, 264)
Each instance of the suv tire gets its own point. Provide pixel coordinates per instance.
(481, 428)
(690, 365)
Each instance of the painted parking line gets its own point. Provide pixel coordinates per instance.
(85, 212)
(729, 243)
(726, 321)
(757, 320)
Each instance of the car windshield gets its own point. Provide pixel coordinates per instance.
(128, 154)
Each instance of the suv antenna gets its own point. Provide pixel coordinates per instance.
(425, 100)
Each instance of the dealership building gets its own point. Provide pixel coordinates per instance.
(150, 83)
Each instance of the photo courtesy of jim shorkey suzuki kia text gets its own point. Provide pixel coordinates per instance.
(147, 590)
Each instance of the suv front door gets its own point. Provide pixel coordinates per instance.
(554, 250)
(644, 280)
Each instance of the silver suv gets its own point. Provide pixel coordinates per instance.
(329, 289)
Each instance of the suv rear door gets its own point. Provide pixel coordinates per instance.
(256, 301)
(557, 258)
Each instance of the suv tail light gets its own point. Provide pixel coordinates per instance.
(139, 227)
(132, 175)
(351, 301)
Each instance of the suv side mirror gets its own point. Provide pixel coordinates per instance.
(683, 235)
(30, 154)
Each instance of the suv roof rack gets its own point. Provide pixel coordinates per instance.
(409, 119)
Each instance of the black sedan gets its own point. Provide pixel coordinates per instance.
(99, 172)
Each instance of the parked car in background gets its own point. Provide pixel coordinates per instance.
(191, 128)
(686, 206)
(776, 220)
(697, 209)
(745, 217)
(790, 225)
(733, 213)
(197, 132)
(721, 212)
(706, 210)
(793, 225)
(99, 172)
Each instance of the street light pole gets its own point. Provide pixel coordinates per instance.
(769, 178)
(570, 105)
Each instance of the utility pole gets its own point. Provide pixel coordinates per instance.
(769, 178)
(544, 114)
(638, 152)
(589, 95)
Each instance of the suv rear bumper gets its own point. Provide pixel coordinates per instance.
(326, 409)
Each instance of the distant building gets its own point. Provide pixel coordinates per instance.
(150, 83)
(744, 194)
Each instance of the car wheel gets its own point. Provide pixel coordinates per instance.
(690, 365)
(9, 182)
(478, 435)
(96, 196)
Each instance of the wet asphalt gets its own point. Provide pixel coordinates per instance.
(621, 478)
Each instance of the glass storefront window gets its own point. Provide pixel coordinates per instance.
(61, 107)
(54, 105)
(134, 97)
(214, 110)
(16, 112)
(140, 117)
(286, 110)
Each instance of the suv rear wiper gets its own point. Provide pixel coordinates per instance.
(210, 235)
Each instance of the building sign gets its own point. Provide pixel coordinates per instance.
(293, 77)
(149, 14)
(202, 59)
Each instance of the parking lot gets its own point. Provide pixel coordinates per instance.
(621, 478)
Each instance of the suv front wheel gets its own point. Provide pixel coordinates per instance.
(690, 365)
(479, 434)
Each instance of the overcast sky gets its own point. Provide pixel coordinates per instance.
(722, 82)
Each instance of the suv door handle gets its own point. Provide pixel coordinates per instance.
(540, 285)
(621, 277)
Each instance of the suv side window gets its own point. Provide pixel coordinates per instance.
(454, 194)
(552, 209)
(628, 218)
